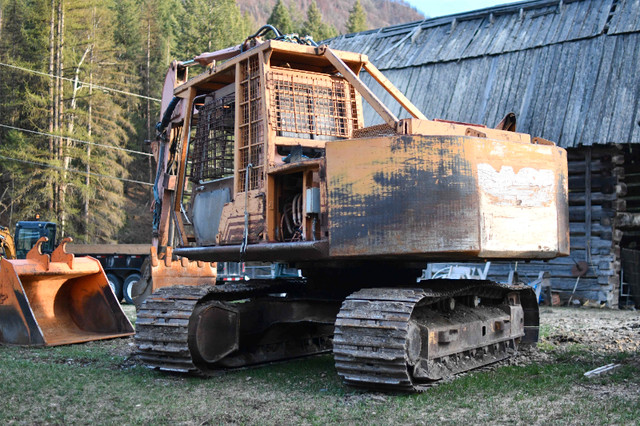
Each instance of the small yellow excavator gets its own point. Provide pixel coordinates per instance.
(7, 245)
(55, 299)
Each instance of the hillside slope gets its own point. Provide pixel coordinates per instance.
(380, 13)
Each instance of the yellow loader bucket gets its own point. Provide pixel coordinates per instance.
(57, 300)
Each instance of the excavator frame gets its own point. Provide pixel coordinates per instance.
(266, 157)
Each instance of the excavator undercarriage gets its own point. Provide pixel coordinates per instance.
(265, 157)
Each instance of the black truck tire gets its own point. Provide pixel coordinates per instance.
(116, 285)
(128, 285)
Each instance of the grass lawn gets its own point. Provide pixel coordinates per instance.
(101, 382)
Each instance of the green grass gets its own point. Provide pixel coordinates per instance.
(99, 382)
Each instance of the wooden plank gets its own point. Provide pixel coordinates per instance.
(546, 25)
(626, 89)
(562, 89)
(595, 198)
(460, 91)
(505, 25)
(432, 101)
(587, 202)
(517, 93)
(597, 212)
(579, 16)
(554, 26)
(568, 13)
(445, 92)
(581, 78)
(477, 46)
(479, 78)
(540, 104)
(503, 93)
(524, 113)
(419, 81)
(616, 63)
(553, 94)
(595, 106)
(588, 76)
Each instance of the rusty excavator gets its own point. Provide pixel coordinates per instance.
(264, 156)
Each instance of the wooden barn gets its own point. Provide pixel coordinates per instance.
(569, 70)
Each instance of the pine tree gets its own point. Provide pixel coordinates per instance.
(297, 17)
(280, 18)
(314, 26)
(92, 208)
(357, 20)
(207, 26)
(23, 104)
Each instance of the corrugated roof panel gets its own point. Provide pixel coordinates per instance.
(626, 17)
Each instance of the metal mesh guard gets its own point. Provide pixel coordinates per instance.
(310, 104)
(212, 156)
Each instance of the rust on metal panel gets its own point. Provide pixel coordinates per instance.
(401, 195)
(232, 220)
(437, 196)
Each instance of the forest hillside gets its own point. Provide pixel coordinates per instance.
(380, 13)
(80, 88)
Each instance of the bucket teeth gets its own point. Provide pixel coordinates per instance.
(57, 300)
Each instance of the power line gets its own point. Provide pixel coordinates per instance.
(76, 140)
(95, 86)
(75, 171)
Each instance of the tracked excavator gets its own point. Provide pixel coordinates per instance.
(264, 156)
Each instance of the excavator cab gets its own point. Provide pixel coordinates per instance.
(57, 299)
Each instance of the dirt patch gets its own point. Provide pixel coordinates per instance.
(601, 330)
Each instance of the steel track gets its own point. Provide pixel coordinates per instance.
(373, 330)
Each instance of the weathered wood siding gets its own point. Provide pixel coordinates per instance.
(567, 69)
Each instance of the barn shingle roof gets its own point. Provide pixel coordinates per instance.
(568, 69)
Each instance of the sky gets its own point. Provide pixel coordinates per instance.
(433, 8)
